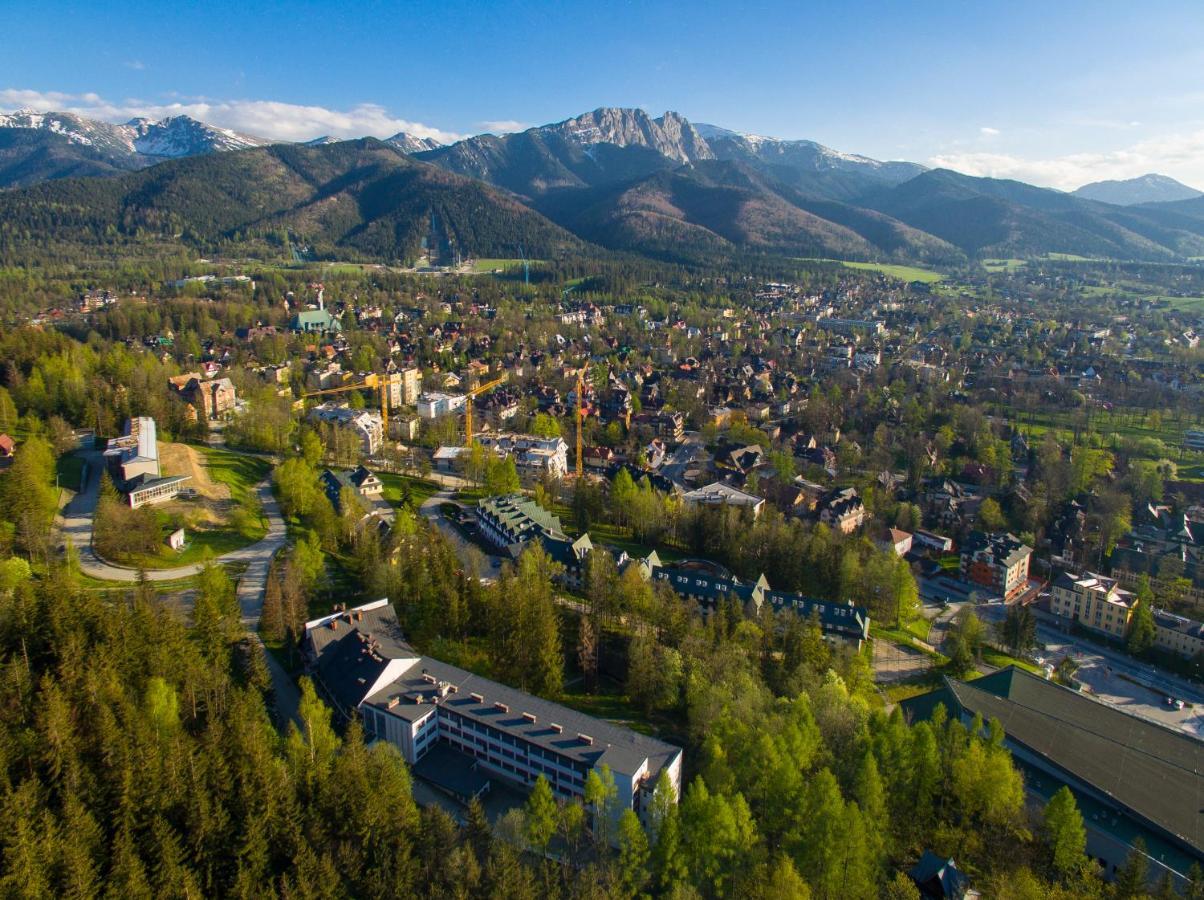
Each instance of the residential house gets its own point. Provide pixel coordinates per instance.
(365, 425)
(433, 404)
(843, 510)
(895, 540)
(996, 561)
(207, 400)
(1178, 635)
(719, 494)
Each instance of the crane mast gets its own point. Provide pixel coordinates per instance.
(477, 391)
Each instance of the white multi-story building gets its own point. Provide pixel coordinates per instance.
(459, 730)
(530, 453)
(433, 404)
(367, 426)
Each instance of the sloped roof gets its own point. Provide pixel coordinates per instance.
(1154, 772)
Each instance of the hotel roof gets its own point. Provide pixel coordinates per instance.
(364, 659)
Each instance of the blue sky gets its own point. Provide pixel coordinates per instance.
(1054, 93)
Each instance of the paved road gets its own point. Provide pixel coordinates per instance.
(675, 467)
(471, 555)
(1120, 680)
(75, 525)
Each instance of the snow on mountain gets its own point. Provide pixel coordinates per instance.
(670, 135)
(179, 136)
(1150, 188)
(102, 136)
(173, 137)
(409, 143)
(728, 144)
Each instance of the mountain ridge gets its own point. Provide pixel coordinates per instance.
(1149, 188)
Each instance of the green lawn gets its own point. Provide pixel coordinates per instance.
(1003, 265)
(69, 468)
(420, 489)
(1070, 257)
(904, 273)
(248, 525)
(1191, 473)
(903, 637)
(242, 473)
(1184, 304)
(484, 266)
(999, 659)
(609, 705)
(614, 536)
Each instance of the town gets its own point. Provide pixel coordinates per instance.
(957, 509)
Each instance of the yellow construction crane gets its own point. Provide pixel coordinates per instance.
(475, 392)
(379, 383)
(580, 416)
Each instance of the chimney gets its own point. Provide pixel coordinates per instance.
(585, 739)
(501, 707)
(480, 698)
(334, 624)
(530, 717)
(393, 701)
(556, 728)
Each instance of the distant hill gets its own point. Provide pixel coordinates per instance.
(37, 146)
(995, 217)
(362, 197)
(1132, 191)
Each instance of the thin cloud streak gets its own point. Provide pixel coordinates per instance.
(503, 126)
(1180, 156)
(262, 118)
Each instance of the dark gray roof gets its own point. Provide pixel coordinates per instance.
(353, 655)
(1156, 773)
(620, 748)
(1005, 549)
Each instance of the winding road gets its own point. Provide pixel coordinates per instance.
(75, 526)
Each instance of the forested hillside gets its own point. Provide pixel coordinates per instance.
(358, 199)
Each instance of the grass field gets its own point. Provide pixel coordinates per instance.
(483, 266)
(242, 473)
(241, 523)
(1118, 422)
(69, 467)
(1070, 257)
(612, 706)
(1003, 265)
(419, 488)
(613, 536)
(904, 273)
(1184, 304)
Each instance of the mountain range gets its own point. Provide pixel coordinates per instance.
(619, 178)
(1132, 191)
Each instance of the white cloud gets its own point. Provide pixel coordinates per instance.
(988, 131)
(263, 118)
(136, 64)
(503, 126)
(1179, 155)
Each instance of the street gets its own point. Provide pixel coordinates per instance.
(1117, 679)
(75, 526)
